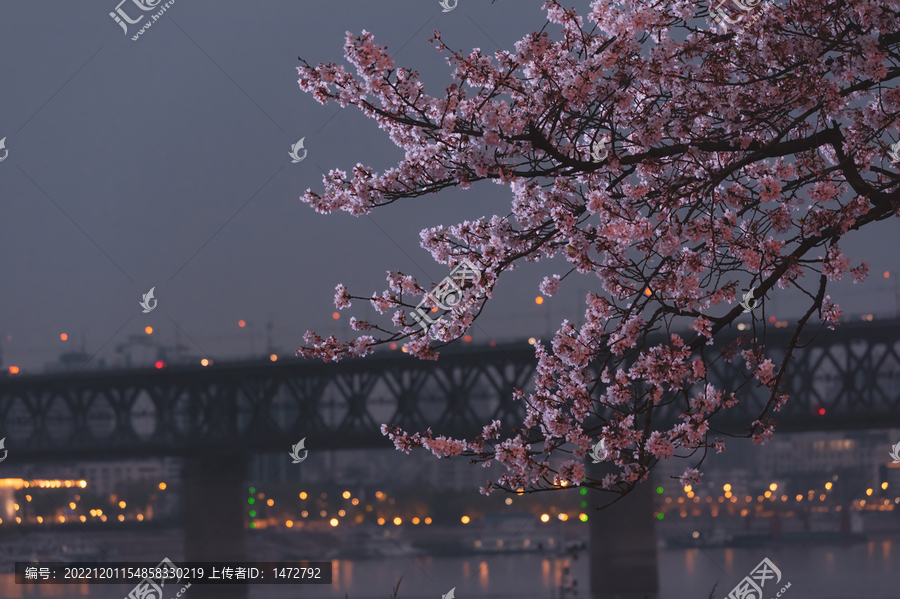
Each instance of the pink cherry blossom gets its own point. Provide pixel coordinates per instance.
(734, 159)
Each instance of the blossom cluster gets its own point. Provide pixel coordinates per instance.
(732, 159)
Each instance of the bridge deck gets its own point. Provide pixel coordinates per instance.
(852, 372)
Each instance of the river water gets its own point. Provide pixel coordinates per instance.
(864, 571)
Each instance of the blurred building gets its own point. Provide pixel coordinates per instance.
(103, 477)
(375, 467)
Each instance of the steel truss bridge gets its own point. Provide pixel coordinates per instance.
(852, 373)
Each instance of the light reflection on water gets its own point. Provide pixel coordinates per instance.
(823, 572)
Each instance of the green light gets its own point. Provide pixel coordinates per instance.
(584, 504)
(253, 525)
(253, 513)
(251, 501)
(659, 490)
(253, 489)
(583, 517)
(584, 491)
(659, 516)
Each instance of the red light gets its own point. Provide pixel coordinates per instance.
(493, 344)
(335, 315)
(241, 323)
(159, 364)
(63, 336)
(887, 274)
(467, 338)
(771, 319)
(393, 346)
(821, 411)
(14, 370)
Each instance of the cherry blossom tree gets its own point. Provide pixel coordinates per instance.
(676, 159)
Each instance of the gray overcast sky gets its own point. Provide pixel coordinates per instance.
(131, 161)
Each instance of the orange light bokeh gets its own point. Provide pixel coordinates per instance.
(539, 300)
(242, 323)
(63, 336)
(148, 330)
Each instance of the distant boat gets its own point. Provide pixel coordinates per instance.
(365, 545)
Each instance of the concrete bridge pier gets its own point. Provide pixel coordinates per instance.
(623, 553)
(213, 503)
